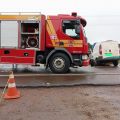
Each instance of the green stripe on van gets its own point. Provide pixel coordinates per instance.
(108, 54)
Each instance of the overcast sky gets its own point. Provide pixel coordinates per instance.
(103, 16)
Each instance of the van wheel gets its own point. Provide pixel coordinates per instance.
(115, 63)
(59, 63)
(92, 62)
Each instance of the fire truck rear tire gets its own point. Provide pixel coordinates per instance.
(59, 63)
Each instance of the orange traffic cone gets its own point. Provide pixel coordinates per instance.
(12, 91)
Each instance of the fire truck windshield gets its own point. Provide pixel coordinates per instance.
(71, 28)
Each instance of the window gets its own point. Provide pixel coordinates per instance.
(71, 28)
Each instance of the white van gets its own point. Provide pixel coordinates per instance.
(105, 52)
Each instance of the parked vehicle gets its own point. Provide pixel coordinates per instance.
(105, 52)
(58, 41)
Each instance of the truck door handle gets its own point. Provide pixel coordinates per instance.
(6, 52)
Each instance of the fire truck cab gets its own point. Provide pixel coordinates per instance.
(59, 41)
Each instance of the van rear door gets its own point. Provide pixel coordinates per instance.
(110, 49)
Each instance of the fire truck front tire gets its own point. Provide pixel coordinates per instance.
(59, 63)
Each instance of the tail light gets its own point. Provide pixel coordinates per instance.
(100, 50)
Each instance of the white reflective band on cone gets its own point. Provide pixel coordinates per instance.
(11, 85)
(11, 76)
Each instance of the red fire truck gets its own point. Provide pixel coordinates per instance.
(58, 42)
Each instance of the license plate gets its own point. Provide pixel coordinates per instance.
(108, 54)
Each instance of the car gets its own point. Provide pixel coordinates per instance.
(105, 52)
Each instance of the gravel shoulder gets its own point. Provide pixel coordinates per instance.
(69, 103)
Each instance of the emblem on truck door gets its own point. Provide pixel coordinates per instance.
(53, 37)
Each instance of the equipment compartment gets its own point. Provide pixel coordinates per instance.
(29, 34)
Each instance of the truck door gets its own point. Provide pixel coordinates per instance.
(70, 35)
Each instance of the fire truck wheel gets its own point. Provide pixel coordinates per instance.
(92, 62)
(59, 63)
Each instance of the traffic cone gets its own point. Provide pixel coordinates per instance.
(12, 91)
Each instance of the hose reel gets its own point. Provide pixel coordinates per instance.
(32, 42)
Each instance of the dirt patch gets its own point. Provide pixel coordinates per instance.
(74, 103)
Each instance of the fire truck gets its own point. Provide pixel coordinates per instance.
(59, 42)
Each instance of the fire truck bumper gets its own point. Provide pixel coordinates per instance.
(85, 62)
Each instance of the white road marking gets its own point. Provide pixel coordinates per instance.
(45, 75)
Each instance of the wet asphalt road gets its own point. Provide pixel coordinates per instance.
(38, 77)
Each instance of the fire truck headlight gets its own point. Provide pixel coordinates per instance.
(84, 57)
